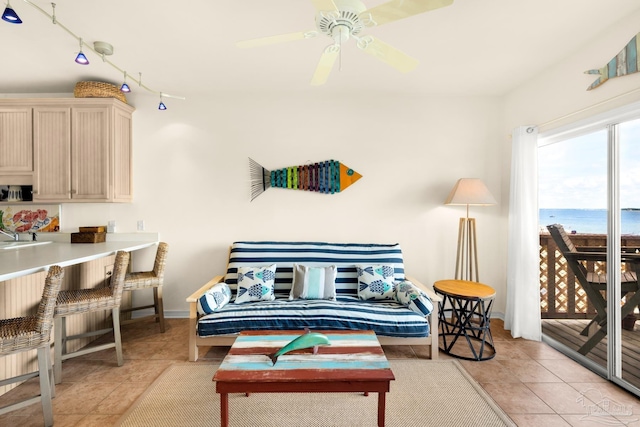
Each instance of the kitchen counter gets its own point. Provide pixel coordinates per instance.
(86, 265)
(24, 261)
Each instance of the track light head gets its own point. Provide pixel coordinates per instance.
(161, 106)
(82, 59)
(10, 15)
(125, 87)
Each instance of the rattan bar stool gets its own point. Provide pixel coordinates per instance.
(79, 301)
(149, 279)
(29, 333)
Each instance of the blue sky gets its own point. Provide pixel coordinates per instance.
(573, 173)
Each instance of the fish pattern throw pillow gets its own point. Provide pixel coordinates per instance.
(375, 282)
(409, 295)
(214, 299)
(256, 284)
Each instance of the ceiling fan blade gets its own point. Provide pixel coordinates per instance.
(325, 65)
(388, 54)
(400, 9)
(324, 5)
(281, 38)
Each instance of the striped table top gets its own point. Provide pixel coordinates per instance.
(352, 355)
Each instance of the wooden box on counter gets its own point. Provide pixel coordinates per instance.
(94, 229)
(88, 237)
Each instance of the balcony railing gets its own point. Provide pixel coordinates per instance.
(561, 296)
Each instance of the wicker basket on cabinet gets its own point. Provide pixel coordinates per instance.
(98, 90)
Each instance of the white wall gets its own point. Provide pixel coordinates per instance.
(559, 96)
(192, 181)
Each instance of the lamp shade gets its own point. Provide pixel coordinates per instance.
(470, 191)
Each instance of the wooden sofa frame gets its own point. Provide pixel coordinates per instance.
(196, 341)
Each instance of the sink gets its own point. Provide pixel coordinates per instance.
(17, 245)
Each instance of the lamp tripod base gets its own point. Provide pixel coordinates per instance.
(467, 256)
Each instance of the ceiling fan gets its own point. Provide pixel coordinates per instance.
(342, 20)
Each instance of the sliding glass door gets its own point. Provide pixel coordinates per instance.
(589, 187)
(629, 345)
(573, 196)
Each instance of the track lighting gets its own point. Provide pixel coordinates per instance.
(99, 48)
(10, 15)
(81, 58)
(125, 87)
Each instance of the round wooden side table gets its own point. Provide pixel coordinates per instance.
(465, 313)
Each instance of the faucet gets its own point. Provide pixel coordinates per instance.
(15, 236)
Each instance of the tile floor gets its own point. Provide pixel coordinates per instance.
(533, 383)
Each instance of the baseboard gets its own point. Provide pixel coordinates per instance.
(173, 314)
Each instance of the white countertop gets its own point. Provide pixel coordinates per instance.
(33, 259)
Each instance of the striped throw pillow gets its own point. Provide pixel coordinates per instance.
(313, 282)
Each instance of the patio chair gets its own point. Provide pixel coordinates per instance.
(595, 284)
(147, 280)
(30, 333)
(77, 301)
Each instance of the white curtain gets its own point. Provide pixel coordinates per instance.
(522, 315)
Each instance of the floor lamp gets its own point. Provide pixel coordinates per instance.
(468, 192)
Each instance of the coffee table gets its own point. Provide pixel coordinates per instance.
(354, 362)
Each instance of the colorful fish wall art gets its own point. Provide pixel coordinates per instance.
(625, 62)
(328, 177)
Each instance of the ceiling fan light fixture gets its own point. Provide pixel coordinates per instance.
(341, 20)
(9, 15)
(340, 33)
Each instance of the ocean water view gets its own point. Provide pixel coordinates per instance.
(589, 221)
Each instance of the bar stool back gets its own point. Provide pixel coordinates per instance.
(78, 301)
(149, 279)
(34, 332)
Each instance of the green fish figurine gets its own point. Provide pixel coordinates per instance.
(307, 340)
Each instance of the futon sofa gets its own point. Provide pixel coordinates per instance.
(316, 286)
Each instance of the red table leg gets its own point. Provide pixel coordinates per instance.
(381, 409)
(224, 410)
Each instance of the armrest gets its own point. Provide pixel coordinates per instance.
(623, 249)
(197, 294)
(602, 256)
(586, 256)
(591, 248)
(424, 288)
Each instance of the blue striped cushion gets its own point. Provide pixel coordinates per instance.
(386, 318)
(316, 254)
